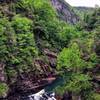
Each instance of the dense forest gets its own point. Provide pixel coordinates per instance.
(39, 45)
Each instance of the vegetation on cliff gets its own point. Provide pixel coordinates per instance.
(28, 27)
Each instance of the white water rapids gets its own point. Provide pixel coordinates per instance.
(42, 95)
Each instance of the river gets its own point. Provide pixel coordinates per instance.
(48, 93)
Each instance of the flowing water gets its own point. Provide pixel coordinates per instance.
(46, 94)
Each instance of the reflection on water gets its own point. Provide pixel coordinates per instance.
(63, 78)
(58, 82)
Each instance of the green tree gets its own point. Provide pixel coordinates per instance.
(70, 61)
(7, 38)
(70, 58)
(26, 49)
(92, 20)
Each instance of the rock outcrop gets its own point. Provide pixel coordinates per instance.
(2, 73)
(52, 57)
(64, 11)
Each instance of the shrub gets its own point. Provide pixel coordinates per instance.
(70, 58)
(3, 89)
(7, 39)
(25, 43)
(21, 24)
(78, 83)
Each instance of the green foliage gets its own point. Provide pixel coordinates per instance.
(96, 96)
(44, 10)
(36, 22)
(3, 48)
(91, 95)
(11, 72)
(21, 24)
(78, 83)
(25, 4)
(82, 11)
(92, 20)
(25, 43)
(70, 58)
(17, 44)
(56, 32)
(46, 21)
(7, 40)
(67, 33)
(3, 89)
(97, 40)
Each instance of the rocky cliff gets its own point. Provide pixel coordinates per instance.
(64, 11)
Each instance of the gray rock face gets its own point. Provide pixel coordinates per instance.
(64, 11)
(2, 73)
